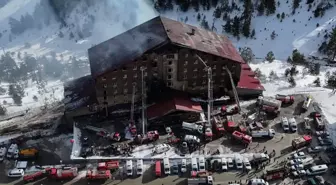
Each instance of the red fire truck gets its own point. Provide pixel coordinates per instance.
(149, 137)
(95, 174)
(33, 176)
(63, 173)
(243, 138)
(286, 99)
(109, 165)
(301, 141)
(158, 168)
(218, 125)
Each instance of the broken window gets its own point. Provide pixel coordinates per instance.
(135, 68)
(170, 56)
(214, 67)
(169, 84)
(170, 70)
(154, 64)
(125, 76)
(105, 86)
(169, 77)
(196, 62)
(124, 68)
(170, 63)
(185, 63)
(135, 76)
(185, 70)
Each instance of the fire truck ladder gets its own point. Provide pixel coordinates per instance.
(234, 90)
(132, 107)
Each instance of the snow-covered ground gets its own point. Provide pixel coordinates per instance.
(54, 93)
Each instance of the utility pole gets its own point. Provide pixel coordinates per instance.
(143, 100)
(210, 89)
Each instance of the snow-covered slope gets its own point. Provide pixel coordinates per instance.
(301, 34)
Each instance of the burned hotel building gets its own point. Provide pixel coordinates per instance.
(163, 54)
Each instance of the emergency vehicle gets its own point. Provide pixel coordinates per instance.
(301, 141)
(243, 138)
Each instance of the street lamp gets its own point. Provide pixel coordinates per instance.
(209, 89)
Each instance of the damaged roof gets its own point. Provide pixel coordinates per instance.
(79, 93)
(177, 103)
(128, 46)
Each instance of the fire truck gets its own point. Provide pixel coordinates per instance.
(218, 125)
(301, 141)
(193, 127)
(63, 173)
(33, 176)
(243, 138)
(208, 134)
(318, 121)
(149, 137)
(269, 105)
(95, 174)
(109, 165)
(286, 99)
(115, 136)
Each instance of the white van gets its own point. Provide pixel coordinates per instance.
(292, 124)
(11, 150)
(129, 168)
(201, 163)
(285, 124)
(224, 164)
(139, 167)
(317, 170)
(230, 162)
(257, 182)
(247, 164)
(194, 164)
(184, 166)
(239, 163)
(166, 166)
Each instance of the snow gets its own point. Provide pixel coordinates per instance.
(54, 94)
(290, 34)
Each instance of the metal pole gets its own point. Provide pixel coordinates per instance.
(143, 100)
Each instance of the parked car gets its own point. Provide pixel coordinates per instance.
(299, 155)
(315, 149)
(297, 167)
(298, 173)
(15, 173)
(325, 141)
(295, 161)
(285, 124)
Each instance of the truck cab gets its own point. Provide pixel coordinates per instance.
(140, 167)
(285, 124)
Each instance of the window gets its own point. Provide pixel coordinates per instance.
(186, 55)
(103, 78)
(115, 92)
(203, 82)
(154, 64)
(214, 74)
(125, 76)
(114, 78)
(135, 76)
(185, 63)
(222, 80)
(135, 68)
(170, 62)
(125, 91)
(185, 70)
(114, 84)
(169, 77)
(196, 62)
(105, 98)
(194, 84)
(194, 75)
(171, 56)
(105, 86)
(195, 70)
(125, 84)
(185, 76)
(170, 70)
(214, 67)
(169, 84)
(124, 68)
(155, 74)
(105, 93)
(145, 73)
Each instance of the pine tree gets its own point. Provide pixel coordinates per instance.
(283, 15)
(331, 46)
(214, 3)
(270, 7)
(236, 26)
(195, 4)
(296, 4)
(270, 56)
(253, 33)
(217, 13)
(246, 27)
(228, 27)
(198, 17)
(261, 8)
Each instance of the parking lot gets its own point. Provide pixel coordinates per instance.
(281, 144)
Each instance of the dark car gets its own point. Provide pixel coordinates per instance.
(325, 141)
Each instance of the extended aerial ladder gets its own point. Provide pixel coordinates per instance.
(132, 127)
(234, 90)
